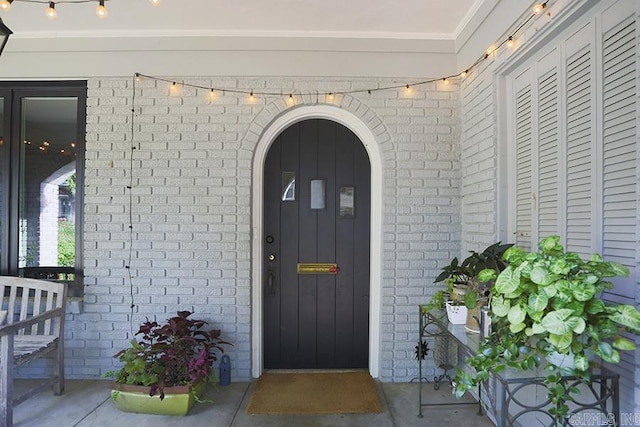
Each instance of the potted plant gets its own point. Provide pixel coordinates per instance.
(546, 304)
(168, 368)
(463, 284)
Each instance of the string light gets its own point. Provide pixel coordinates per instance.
(508, 41)
(51, 11)
(101, 11)
(537, 9)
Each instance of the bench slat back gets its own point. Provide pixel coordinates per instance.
(24, 298)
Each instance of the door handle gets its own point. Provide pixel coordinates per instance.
(271, 282)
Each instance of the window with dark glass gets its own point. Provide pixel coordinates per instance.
(42, 136)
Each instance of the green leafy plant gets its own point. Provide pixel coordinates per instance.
(179, 352)
(548, 303)
(463, 276)
(66, 244)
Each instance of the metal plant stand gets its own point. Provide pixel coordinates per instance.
(445, 357)
(515, 397)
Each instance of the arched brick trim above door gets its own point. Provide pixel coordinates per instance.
(369, 128)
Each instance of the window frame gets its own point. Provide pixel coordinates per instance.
(12, 94)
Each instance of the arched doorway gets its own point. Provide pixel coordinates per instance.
(317, 185)
(368, 140)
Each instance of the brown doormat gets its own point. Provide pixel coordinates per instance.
(315, 393)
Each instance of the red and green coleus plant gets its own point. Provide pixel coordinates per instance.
(178, 352)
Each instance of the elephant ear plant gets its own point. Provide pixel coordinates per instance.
(547, 303)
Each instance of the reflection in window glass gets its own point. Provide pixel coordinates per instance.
(288, 186)
(47, 182)
(347, 202)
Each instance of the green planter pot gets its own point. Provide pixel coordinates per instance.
(177, 400)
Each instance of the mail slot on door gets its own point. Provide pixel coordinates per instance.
(317, 268)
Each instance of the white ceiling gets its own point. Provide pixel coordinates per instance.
(403, 19)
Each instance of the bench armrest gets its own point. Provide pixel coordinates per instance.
(12, 328)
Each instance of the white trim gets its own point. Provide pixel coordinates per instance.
(368, 139)
(374, 35)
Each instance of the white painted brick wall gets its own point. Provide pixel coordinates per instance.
(192, 204)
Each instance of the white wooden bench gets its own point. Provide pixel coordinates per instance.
(34, 327)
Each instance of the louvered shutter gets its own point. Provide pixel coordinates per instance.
(584, 149)
(619, 167)
(523, 131)
(579, 87)
(620, 154)
(548, 152)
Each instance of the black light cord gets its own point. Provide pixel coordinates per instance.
(130, 190)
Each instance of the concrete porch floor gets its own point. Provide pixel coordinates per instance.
(86, 403)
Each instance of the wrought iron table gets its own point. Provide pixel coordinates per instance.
(519, 398)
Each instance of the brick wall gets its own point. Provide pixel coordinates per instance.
(192, 202)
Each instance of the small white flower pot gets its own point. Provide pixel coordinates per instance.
(457, 314)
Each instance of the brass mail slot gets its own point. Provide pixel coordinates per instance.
(317, 268)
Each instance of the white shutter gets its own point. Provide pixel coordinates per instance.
(619, 166)
(582, 137)
(620, 153)
(579, 156)
(523, 168)
(548, 153)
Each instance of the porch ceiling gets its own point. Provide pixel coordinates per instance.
(375, 19)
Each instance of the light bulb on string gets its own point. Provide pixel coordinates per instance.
(101, 11)
(408, 89)
(291, 100)
(490, 50)
(51, 11)
(537, 9)
(331, 96)
(445, 81)
(510, 42)
(155, 2)
(5, 4)
(464, 73)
